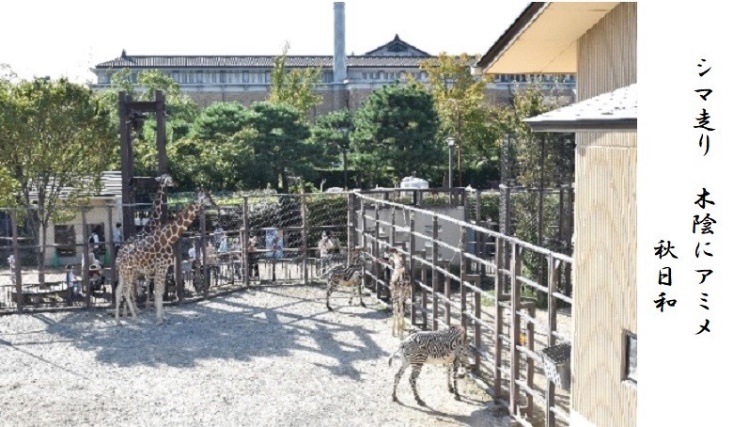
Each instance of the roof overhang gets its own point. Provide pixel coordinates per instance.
(614, 111)
(543, 39)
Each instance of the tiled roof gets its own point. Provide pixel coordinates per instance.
(111, 186)
(398, 43)
(168, 61)
(612, 111)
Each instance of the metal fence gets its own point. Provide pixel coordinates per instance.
(462, 276)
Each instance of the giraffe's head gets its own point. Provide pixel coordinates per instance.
(165, 180)
(204, 198)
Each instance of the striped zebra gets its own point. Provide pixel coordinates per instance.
(345, 276)
(446, 346)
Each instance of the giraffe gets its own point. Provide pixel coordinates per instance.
(152, 255)
(164, 181)
(400, 290)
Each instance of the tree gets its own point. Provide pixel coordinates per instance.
(294, 87)
(55, 136)
(219, 121)
(396, 133)
(332, 131)
(460, 102)
(278, 139)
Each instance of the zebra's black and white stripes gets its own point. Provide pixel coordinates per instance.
(447, 346)
(345, 276)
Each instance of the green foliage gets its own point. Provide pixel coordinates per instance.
(53, 135)
(396, 134)
(219, 121)
(294, 87)
(461, 105)
(279, 142)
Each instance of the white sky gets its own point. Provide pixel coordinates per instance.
(66, 38)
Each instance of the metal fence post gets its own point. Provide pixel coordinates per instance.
(499, 287)
(376, 270)
(552, 282)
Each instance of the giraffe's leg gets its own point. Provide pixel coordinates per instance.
(159, 288)
(329, 291)
(416, 367)
(118, 296)
(358, 287)
(353, 292)
(129, 294)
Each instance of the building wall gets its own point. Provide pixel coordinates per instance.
(605, 243)
(96, 215)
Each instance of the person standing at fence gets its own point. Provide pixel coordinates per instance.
(254, 267)
(117, 236)
(329, 246)
(218, 235)
(11, 265)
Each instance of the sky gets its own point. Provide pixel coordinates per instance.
(67, 38)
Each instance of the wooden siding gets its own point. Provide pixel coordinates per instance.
(605, 247)
(607, 53)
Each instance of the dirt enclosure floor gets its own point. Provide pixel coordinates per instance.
(266, 356)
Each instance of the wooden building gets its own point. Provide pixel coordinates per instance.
(598, 42)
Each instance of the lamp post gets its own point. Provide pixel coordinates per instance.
(451, 143)
(344, 151)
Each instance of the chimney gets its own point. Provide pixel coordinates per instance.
(339, 43)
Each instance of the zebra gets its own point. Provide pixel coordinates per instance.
(345, 276)
(446, 346)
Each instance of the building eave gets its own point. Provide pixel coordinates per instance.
(543, 39)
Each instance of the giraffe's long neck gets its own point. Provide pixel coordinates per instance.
(175, 229)
(155, 220)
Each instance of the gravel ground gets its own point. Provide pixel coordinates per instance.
(267, 356)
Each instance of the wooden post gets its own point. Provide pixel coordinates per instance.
(128, 212)
(111, 251)
(376, 270)
(412, 266)
(85, 257)
(245, 243)
(447, 292)
(362, 212)
(462, 275)
(202, 248)
(477, 328)
(514, 331)
(435, 272)
(17, 273)
(304, 234)
(552, 282)
(350, 226)
(498, 313)
(423, 292)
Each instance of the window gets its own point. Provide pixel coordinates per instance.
(199, 76)
(65, 239)
(222, 76)
(630, 368)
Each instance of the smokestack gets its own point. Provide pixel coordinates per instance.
(339, 43)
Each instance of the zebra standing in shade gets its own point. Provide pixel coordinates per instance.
(447, 346)
(345, 276)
